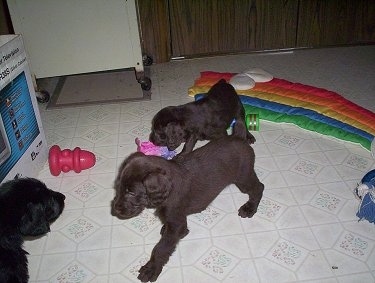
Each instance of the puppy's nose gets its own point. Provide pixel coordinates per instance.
(152, 138)
(60, 195)
(117, 208)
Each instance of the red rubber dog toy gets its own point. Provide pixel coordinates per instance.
(66, 160)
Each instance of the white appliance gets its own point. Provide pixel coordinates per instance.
(74, 37)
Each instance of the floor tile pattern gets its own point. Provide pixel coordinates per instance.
(305, 229)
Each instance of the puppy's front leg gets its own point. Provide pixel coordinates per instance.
(189, 144)
(171, 234)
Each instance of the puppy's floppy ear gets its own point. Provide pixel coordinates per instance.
(34, 221)
(158, 185)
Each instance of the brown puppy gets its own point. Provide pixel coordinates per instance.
(204, 119)
(183, 186)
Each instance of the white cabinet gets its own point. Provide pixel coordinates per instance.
(65, 37)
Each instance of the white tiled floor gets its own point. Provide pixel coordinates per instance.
(305, 229)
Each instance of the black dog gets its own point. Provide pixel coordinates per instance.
(27, 207)
(204, 119)
(183, 186)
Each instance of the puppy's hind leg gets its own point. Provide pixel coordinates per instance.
(254, 188)
(240, 129)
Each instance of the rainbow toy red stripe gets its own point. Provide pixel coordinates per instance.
(315, 109)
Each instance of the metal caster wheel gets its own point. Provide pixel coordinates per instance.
(42, 96)
(145, 83)
(147, 60)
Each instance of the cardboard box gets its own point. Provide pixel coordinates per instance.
(23, 147)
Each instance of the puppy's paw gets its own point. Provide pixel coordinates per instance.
(149, 272)
(180, 156)
(183, 233)
(247, 210)
(250, 138)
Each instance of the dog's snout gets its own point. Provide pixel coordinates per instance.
(117, 207)
(152, 138)
(124, 209)
(59, 196)
(62, 196)
(158, 138)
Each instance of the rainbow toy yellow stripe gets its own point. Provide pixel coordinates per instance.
(308, 107)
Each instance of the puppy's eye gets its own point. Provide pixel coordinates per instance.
(162, 136)
(130, 193)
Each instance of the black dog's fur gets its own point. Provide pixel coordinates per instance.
(27, 207)
(183, 186)
(204, 119)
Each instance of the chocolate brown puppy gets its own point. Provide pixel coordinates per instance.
(182, 186)
(205, 119)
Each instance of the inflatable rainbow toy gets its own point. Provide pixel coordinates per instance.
(308, 107)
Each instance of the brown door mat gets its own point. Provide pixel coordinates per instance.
(94, 88)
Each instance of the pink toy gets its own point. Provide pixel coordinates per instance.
(66, 160)
(149, 148)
